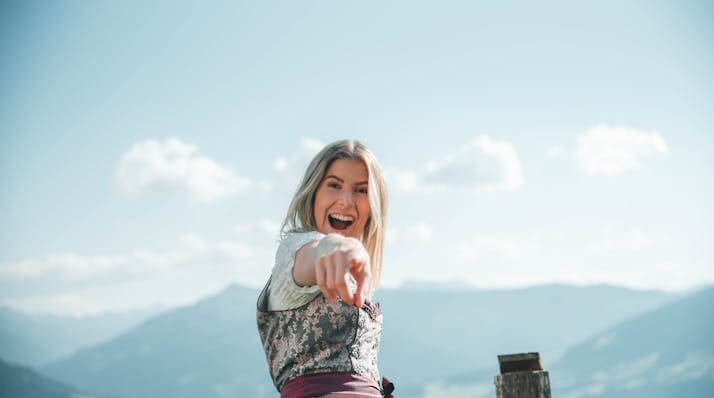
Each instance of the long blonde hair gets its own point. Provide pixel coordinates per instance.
(301, 212)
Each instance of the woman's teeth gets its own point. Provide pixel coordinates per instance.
(340, 221)
(342, 217)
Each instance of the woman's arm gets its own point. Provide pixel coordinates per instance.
(329, 262)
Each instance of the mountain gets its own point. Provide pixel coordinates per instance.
(464, 330)
(664, 353)
(209, 349)
(35, 340)
(21, 382)
(212, 349)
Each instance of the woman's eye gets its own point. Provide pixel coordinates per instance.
(362, 190)
(333, 185)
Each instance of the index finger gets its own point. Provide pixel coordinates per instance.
(362, 277)
(341, 277)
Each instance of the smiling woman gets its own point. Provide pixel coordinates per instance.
(316, 319)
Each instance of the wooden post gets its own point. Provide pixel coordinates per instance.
(521, 377)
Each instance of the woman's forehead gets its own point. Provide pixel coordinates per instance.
(348, 169)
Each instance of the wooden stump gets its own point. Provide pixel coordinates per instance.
(521, 377)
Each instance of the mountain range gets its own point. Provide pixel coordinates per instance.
(35, 340)
(667, 352)
(22, 382)
(664, 353)
(212, 349)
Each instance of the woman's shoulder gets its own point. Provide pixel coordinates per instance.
(298, 233)
(290, 243)
(296, 239)
(284, 292)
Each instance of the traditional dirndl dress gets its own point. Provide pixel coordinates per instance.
(323, 348)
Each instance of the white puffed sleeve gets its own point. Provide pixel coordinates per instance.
(284, 293)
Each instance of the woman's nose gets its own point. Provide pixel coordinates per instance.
(346, 196)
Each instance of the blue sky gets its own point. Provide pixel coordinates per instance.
(150, 150)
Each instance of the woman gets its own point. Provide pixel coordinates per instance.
(316, 319)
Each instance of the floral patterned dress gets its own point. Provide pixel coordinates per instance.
(320, 337)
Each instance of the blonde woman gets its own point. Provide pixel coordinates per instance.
(316, 319)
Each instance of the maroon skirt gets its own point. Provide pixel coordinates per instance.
(336, 385)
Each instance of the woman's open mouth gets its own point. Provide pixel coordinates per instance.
(339, 221)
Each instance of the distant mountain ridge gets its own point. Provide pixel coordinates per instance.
(21, 382)
(668, 352)
(35, 340)
(212, 349)
(468, 329)
(209, 349)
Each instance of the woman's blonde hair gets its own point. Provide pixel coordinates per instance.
(301, 212)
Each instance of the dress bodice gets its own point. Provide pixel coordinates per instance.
(321, 336)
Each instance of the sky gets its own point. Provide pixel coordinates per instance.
(149, 150)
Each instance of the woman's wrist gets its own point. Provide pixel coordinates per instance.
(303, 270)
(331, 242)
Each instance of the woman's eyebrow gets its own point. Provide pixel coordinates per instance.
(343, 181)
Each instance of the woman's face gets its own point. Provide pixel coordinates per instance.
(341, 203)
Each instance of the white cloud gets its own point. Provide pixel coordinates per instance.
(634, 368)
(195, 264)
(263, 226)
(403, 180)
(265, 185)
(420, 232)
(166, 290)
(513, 260)
(297, 162)
(615, 150)
(634, 238)
(192, 249)
(280, 164)
(556, 151)
(416, 233)
(493, 261)
(483, 163)
(291, 168)
(493, 248)
(695, 365)
(604, 340)
(173, 165)
(632, 257)
(670, 276)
